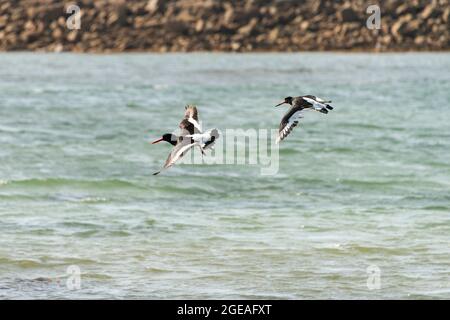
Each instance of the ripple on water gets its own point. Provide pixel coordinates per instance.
(84, 184)
(22, 263)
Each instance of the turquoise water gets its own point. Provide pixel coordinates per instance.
(367, 185)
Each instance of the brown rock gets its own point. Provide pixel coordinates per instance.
(51, 12)
(397, 27)
(185, 16)
(328, 34)
(446, 15)
(5, 6)
(229, 13)
(72, 36)
(58, 47)
(40, 26)
(62, 22)
(11, 28)
(273, 35)
(53, 25)
(318, 6)
(3, 21)
(387, 39)
(24, 36)
(429, 11)
(248, 29)
(405, 26)
(420, 40)
(413, 27)
(199, 25)
(337, 29)
(232, 25)
(403, 9)
(57, 34)
(304, 25)
(29, 25)
(139, 22)
(273, 10)
(118, 15)
(347, 14)
(235, 46)
(177, 27)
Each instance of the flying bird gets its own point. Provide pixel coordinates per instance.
(191, 135)
(296, 112)
(205, 140)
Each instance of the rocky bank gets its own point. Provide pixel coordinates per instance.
(211, 25)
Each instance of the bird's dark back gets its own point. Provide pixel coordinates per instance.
(186, 127)
(299, 103)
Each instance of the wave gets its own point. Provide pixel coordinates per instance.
(254, 70)
(22, 263)
(437, 208)
(192, 189)
(288, 151)
(61, 182)
(76, 224)
(375, 183)
(369, 126)
(93, 200)
(39, 263)
(68, 198)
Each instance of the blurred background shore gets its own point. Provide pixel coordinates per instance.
(241, 26)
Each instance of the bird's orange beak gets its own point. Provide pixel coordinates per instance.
(158, 140)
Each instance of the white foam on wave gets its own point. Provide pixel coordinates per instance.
(161, 86)
(93, 200)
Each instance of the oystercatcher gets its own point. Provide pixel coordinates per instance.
(191, 135)
(296, 112)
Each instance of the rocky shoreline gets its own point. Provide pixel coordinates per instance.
(211, 25)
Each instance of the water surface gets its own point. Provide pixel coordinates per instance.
(366, 185)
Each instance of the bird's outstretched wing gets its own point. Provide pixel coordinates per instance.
(191, 114)
(320, 100)
(205, 140)
(289, 122)
(317, 103)
(187, 127)
(177, 153)
(213, 136)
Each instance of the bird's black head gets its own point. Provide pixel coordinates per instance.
(168, 137)
(287, 100)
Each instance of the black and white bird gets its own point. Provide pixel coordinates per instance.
(191, 135)
(296, 112)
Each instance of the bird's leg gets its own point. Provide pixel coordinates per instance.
(201, 150)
